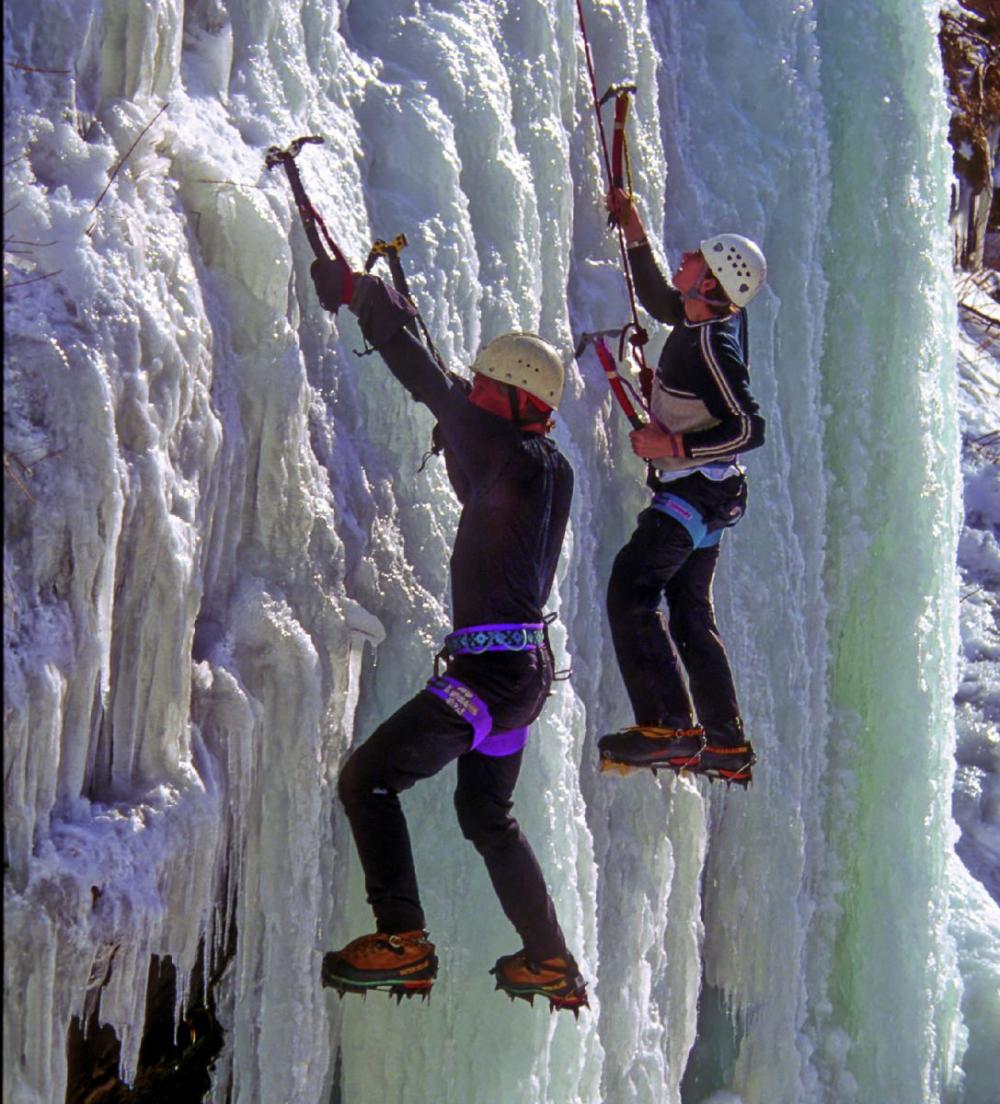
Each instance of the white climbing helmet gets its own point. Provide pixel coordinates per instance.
(737, 263)
(524, 360)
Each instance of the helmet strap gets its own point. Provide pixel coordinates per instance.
(720, 306)
(524, 413)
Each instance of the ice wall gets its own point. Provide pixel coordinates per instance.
(218, 504)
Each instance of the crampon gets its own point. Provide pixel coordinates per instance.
(402, 965)
(555, 979)
(732, 765)
(652, 747)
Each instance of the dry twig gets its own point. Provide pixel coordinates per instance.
(128, 153)
(234, 183)
(34, 69)
(988, 319)
(34, 279)
(8, 468)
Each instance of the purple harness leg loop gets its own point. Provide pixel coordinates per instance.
(498, 744)
(471, 707)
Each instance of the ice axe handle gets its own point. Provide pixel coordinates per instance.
(611, 372)
(621, 94)
(286, 157)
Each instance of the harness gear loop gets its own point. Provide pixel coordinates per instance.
(614, 176)
(566, 672)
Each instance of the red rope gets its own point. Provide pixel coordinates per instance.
(638, 339)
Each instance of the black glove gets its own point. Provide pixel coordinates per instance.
(334, 283)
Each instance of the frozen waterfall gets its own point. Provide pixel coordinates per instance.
(224, 562)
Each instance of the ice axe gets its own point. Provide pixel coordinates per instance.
(620, 387)
(621, 172)
(615, 90)
(311, 220)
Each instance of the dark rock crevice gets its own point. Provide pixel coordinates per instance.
(970, 51)
(175, 1059)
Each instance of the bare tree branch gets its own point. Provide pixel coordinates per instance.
(34, 69)
(8, 468)
(34, 279)
(128, 153)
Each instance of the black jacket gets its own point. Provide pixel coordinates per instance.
(702, 387)
(515, 487)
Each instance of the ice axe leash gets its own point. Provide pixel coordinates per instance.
(620, 387)
(618, 173)
(311, 220)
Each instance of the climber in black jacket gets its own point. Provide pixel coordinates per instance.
(515, 487)
(703, 417)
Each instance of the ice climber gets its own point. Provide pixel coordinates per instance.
(515, 489)
(703, 417)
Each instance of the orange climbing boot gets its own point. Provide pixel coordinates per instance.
(728, 755)
(731, 764)
(651, 746)
(556, 979)
(403, 964)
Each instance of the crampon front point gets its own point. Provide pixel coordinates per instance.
(732, 765)
(555, 979)
(402, 965)
(407, 989)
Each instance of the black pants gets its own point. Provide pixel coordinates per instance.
(660, 562)
(416, 742)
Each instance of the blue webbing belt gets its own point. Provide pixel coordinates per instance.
(681, 510)
(495, 638)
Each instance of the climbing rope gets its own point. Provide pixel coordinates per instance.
(615, 178)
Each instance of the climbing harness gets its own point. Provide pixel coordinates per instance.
(311, 219)
(478, 640)
(692, 518)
